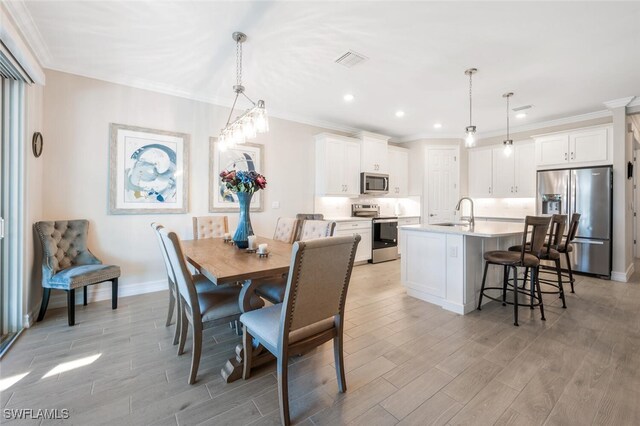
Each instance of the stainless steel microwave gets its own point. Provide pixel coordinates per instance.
(374, 183)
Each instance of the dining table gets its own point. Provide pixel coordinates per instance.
(225, 264)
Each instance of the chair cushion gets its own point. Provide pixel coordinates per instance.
(551, 255)
(202, 283)
(563, 248)
(272, 288)
(219, 302)
(82, 275)
(264, 325)
(501, 257)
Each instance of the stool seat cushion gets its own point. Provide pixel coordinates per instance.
(551, 255)
(82, 275)
(563, 248)
(510, 258)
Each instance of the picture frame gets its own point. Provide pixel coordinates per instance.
(246, 156)
(148, 170)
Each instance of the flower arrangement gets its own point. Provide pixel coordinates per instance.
(243, 180)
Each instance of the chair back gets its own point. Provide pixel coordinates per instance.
(64, 244)
(183, 278)
(556, 231)
(536, 227)
(318, 280)
(310, 216)
(167, 264)
(573, 227)
(286, 229)
(210, 226)
(312, 229)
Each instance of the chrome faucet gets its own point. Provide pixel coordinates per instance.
(470, 219)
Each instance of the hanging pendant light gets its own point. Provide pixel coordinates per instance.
(508, 143)
(470, 138)
(252, 121)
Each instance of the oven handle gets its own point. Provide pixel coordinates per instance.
(385, 221)
(386, 184)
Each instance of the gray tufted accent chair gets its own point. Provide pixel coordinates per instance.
(68, 264)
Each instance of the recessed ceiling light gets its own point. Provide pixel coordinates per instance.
(521, 115)
(437, 126)
(399, 113)
(348, 97)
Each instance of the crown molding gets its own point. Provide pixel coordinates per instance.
(619, 103)
(634, 103)
(430, 135)
(20, 14)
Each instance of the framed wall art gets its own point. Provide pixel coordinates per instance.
(148, 171)
(246, 156)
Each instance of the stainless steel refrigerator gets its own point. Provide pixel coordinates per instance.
(587, 191)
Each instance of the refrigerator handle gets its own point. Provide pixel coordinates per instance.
(574, 192)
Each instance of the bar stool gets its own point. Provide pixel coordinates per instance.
(567, 246)
(551, 254)
(511, 260)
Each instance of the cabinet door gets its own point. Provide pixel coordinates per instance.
(525, 171)
(334, 152)
(480, 179)
(374, 155)
(589, 146)
(351, 169)
(552, 150)
(363, 253)
(398, 172)
(503, 173)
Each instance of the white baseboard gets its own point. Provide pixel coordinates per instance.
(623, 277)
(30, 318)
(103, 292)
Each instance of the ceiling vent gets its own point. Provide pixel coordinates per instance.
(351, 59)
(522, 108)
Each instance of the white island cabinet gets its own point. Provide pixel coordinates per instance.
(444, 264)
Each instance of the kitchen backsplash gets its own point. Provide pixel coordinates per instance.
(341, 206)
(504, 207)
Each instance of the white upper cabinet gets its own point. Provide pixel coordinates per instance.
(503, 173)
(398, 171)
(337, 165)
(480, 173)
(585, 147)
(525, 170)
(374, 156)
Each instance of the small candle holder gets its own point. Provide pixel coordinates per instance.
(263, 254)
(251, 250)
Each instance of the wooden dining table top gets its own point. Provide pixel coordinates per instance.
(223, 262)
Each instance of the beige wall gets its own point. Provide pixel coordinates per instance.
(77, 114)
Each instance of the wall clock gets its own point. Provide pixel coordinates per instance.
(36, 144)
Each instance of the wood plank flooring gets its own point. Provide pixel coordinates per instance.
(408, 362)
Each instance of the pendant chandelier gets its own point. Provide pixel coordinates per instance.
(252, 121)
(470, 139)
(508, 143)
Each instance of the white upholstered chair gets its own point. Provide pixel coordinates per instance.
(286, 229)
(210, 226)
(312, 229)
(312, 312)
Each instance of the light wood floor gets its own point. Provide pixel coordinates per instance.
(408, 363)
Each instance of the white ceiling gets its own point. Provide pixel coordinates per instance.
(563, 58)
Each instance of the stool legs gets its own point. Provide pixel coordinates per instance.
(484, 280)
(566, 254)
(536, 279)
(505, 280)
(515, 296)
(560, 286)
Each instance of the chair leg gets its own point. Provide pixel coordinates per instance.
(338, 356)
(526, 275)
(515, 296)
(505, 280)
(184, 323)
(283, 389)
(46, 292)
(84, 295)
(114, 293)
(172, 303)
(247, 345)
(566, 254)
(484, 280)
(71, 306)
(560, 286)
(176, 333)
(531, 294)
(537, 282)
(196, 351)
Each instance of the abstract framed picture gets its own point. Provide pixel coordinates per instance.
(246, 156)
(148, 171)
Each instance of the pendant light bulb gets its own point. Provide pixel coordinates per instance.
(508, 148)
(470, 139)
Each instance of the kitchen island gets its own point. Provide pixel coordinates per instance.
(443, 264)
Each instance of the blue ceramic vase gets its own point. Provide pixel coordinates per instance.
(240, 238)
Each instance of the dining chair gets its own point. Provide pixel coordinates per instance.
(272, 288)
(286, 229)
(311, 314)
(67, 264)
(201, 283)
(217, 305)
(210, 226)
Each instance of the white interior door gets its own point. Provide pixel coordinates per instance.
(442, 184)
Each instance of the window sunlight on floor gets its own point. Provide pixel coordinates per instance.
(7, 382)
(66, 366)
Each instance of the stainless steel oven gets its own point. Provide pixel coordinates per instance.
(374, 183)
(385, 239)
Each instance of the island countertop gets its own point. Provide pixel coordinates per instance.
(481, 229)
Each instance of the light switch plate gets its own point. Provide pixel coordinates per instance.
(275, 205)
